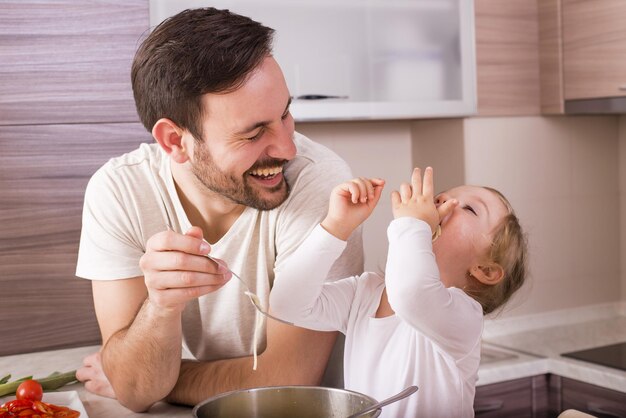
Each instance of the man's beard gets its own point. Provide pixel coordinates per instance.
(237, 189)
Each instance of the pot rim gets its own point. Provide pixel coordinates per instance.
(264, 388)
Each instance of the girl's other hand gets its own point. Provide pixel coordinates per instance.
(351, 203)
(417, 200)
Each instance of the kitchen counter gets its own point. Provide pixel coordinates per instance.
(43, 363)
(539, 340)
(534, 348)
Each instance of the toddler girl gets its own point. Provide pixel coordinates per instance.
(452, 258)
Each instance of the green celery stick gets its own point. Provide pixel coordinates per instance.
(51, 382)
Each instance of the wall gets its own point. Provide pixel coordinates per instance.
(560, 173)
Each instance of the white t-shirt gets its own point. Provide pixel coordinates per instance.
(133, 197)
(432, 341)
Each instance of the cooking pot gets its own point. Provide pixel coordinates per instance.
(285, 402)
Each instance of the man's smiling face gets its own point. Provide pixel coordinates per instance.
(248, 138)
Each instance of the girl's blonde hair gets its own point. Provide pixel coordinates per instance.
(509, 249)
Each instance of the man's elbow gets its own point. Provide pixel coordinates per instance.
(134, 401)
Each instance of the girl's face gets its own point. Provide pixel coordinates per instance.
(466, 233)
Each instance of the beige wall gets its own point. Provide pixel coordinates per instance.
(560, 173)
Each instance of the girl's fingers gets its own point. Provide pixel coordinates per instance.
(361, 183)
(405, 192)
(446, 207)
(360, 189)
(396, 200)
(377, 192)
(374, 187)
(377, 182)
(416, 181)
(369, 189)
(427, 188)
(355, 192)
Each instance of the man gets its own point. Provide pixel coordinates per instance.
(227, 169)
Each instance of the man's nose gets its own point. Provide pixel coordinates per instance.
(282, 146)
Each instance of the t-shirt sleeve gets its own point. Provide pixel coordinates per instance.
(446, 315)
(109, 248)
(300, 293)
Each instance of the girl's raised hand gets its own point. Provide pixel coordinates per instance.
(417, 200)
(350, 204)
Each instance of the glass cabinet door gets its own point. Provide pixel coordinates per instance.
(365, 59)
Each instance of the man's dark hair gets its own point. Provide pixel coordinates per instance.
(195, 52)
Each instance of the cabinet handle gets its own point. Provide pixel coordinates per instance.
(488, 406)
(599, 409)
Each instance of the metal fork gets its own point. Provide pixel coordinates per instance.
(254, 299)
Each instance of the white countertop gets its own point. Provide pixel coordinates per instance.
(540, 340)
(43, 363)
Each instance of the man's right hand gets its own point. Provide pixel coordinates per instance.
(140, 317)
(176, 269)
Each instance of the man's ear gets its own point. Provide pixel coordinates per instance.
(170, 138)
(487, 273)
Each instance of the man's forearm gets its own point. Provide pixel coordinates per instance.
(294, 356)
(142, 361)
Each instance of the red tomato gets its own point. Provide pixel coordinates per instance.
(29, 389)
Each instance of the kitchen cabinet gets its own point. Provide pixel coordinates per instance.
(507, 60)
(378, 59)
(582, 48)
(66, 107)
(525, 397)
(594, 48)
(546, 396)
(594, 400)
(510, 399)
(65, 61)
(44, 306)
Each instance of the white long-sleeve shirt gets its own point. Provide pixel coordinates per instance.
(432, 341)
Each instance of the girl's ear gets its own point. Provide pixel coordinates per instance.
(489, 274)
(170, 137)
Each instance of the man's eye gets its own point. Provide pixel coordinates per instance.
(285, 115)
(255, 137)
(471, 209)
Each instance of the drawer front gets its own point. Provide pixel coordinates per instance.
(594, 400)
(506, 399)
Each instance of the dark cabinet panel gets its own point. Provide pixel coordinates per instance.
(43, 173)
(594, 400)
(536, 397)
(546, 396)
(66, 61)
(507, 399)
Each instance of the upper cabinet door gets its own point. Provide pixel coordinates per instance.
(374, 59)
(67, 61)
(594, 48)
